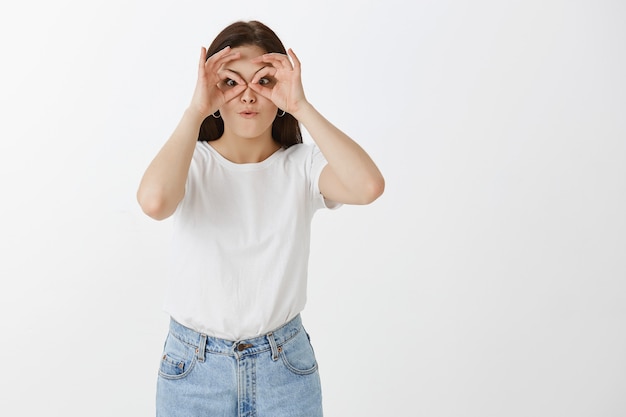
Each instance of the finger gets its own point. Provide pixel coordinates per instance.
(220, 58)
(233, 92)
(219, 70)
(264, 72)
(219, 53)
(279, 61)
(206, 61)
(294, 58)
(225, 74)
(262, 90)
(202, 58)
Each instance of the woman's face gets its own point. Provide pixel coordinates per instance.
(249, 115)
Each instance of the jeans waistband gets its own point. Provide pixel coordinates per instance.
(269, 341)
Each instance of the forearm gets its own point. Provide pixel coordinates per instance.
(163, 184)
(351, 165)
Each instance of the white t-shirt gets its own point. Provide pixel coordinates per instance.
(241, 241)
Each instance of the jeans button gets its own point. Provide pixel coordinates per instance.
(243, 346)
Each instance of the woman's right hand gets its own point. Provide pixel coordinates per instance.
(210, 94)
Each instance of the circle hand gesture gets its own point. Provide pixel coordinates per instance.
(285, 86)
(209, 95)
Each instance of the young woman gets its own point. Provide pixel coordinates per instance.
(243, 189)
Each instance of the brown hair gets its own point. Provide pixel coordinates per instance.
(285, 129)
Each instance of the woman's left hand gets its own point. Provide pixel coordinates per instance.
(283, 83)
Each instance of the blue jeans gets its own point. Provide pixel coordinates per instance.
(269, 376)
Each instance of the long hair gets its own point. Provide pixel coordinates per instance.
(285, 129)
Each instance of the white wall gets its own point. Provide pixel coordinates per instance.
(489, 280)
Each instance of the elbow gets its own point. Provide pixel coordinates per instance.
(154, 205)
(373, 189)
(377, 188)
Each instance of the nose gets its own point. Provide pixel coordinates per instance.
(248, 96)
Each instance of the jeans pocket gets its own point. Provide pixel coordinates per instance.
(298, 356)
(178, 358)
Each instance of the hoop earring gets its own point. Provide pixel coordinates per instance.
(280, 114)
(217, 114)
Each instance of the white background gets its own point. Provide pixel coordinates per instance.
(488, 280)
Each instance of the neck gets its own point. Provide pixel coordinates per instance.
(245, 150)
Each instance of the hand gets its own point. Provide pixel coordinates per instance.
(210, 92)
(285, 86)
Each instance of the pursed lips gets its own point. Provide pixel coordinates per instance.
(248, 114)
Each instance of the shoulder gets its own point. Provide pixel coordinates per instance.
(202, 150)
(203, 155)
(300, 152)
(306, 159)
(300, 157)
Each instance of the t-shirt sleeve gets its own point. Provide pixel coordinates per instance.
(318, 162)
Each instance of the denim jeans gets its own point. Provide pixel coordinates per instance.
(274, 375)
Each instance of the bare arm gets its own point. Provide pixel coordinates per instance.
(163, 184)
(351, 177)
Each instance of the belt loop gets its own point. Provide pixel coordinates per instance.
(201, 348)
(270, 338)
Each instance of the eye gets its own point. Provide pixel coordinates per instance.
(264, 81)
(230, 83)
